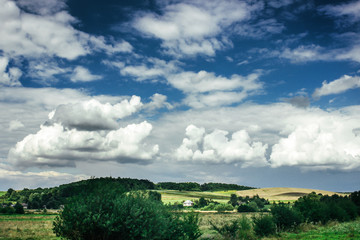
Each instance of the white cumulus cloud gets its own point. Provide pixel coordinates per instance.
(82, 74)
(93, 115)
(216, 147)
(326, 143)
(56, 145)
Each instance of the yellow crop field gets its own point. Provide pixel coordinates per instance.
(282, 193)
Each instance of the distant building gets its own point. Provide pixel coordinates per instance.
(188, 203)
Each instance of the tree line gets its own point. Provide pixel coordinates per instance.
(53, 198)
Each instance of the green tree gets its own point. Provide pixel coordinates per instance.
(233, 200)
(284, 217)
(106, 215)
(19, 209)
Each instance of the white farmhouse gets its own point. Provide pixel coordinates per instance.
(188, 203)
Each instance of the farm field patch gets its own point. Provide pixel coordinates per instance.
(172, 196)
(283, 194)
(28, 226)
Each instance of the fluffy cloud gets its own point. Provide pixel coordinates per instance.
(9, 77)
(58, 146)
(82, 74)
(271, 125)
(216, 147)
(34, 35)
(93, 115)
(191, 27)
(157, 101)
(32, 105)
(337, 86)
(203, 81)
(204, 89)
(87, 130)
(324, 144)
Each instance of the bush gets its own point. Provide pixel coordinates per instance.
(19, 209)
(122, 216)
(236, 229)
(264, 225)
(210, 207)
(285, 217)
(222, 207)
(246, 208)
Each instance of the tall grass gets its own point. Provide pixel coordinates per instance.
(29, 226)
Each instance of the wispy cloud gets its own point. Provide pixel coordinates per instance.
(337, 86)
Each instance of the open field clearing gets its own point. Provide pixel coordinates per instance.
(172, 196)
(39, 226)
(333, 230)
(28, 226)
(2, 193)
(282, 194)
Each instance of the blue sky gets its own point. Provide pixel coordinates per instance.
(259, 93)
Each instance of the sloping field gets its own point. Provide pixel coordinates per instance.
(282, 194)
(171, 196)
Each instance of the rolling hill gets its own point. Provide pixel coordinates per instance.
(282, 193)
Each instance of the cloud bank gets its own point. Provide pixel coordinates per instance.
(86, 131)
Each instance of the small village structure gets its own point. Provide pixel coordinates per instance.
(188, 203)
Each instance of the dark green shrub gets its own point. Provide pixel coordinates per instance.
(246, 208)
(19, 209)
(264, 225)
(285, 217)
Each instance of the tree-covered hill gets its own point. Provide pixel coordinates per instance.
(54, 197)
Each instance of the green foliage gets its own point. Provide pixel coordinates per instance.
(235, 229)
(210, 207)
(112, 215)
(202, 202)
(190, 226)
(246, 208)
(222, 207)
(19, 209)
(264, 225)
(234, 200)
(154, 196)
(318, 208)
(285, 217)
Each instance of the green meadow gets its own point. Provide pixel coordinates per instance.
(39, 226)
(28, 226)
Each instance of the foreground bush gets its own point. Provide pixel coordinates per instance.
(285, 217)
(264, 225)
(236, 229)
(122, 216)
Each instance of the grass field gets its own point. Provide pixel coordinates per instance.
(28, 226)
(2, 193)
(39, 226)
(172, 196)
(333, 230)
(282, 194)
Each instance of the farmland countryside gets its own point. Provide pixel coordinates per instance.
(219, 213)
